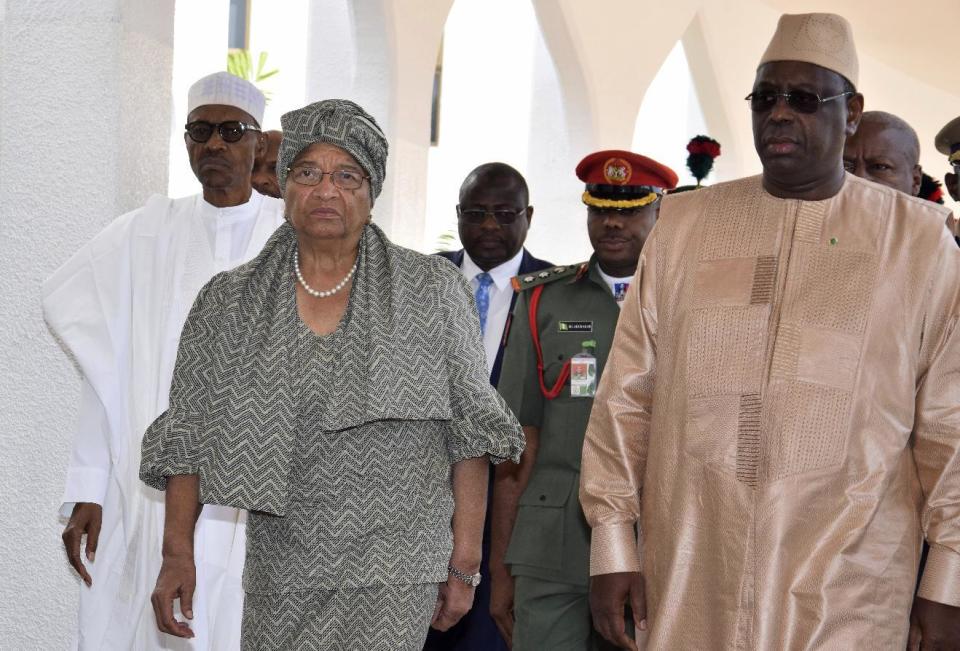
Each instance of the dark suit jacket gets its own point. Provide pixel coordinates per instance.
(528, 264)
(477, 631)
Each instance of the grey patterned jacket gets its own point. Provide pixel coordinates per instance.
(410, 350)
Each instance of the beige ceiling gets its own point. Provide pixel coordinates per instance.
(919, 37)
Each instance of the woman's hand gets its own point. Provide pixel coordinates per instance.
(453, 601)
(470, 478)
(178, 574)
(177, 579)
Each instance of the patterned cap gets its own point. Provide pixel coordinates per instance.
(227, 90)
(339, 122)
(825, 40)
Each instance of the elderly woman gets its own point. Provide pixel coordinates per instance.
(336, 388)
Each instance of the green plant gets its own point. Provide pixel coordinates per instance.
(240, 63)
(446, 241)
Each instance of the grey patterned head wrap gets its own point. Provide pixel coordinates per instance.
(339, 122)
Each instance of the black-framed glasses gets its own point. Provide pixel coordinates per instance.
(799, 100)
(343, 179)
(479, 215)
(230, 131)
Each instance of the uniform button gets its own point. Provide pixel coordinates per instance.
(543, 498)
(560, 357)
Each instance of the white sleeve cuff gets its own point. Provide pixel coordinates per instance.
(84, 485)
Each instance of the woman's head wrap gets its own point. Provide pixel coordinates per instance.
(339, 122)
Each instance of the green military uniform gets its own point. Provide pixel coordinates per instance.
(549, 551)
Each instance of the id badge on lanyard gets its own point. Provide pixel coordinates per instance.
(583, 372)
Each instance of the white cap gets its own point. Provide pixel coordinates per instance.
(228, 90)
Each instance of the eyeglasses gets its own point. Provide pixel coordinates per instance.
(343, 179)
(799, 100)
(230, 131)
(478, 216)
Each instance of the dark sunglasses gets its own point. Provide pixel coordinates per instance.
(230, 131)
(478, 216)
(799, 100)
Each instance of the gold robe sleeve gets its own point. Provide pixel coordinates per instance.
(937, 430)
(615, 444)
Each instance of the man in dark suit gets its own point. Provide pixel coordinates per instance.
(493, 217)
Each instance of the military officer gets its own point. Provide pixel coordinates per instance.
(948, 143)
(562, 328)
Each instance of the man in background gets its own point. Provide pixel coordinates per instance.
(493, 217)
(886, 150)
(264, 176)
(118, 306)
(561, 333)
(947, 143)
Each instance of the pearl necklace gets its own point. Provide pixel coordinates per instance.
(314, 292)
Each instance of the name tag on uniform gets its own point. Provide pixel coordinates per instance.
(576, 326)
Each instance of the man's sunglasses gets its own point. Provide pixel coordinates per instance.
(801, 101)
(230, 131)
(478, 216)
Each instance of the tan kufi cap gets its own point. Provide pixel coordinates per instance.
(227, 90)
(825, 40)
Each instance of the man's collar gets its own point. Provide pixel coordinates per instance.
(501, 274)
(233, 212)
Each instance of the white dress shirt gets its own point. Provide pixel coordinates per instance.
(501, 293)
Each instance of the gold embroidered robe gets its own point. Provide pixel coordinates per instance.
(780, 419)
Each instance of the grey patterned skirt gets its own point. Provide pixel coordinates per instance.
(374, 618)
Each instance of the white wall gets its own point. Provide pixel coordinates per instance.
(85, 106)
(280, 30)
(669, 116)
(485, 104)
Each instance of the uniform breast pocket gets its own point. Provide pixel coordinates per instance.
(538, 539)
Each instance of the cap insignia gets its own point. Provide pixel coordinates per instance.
(617, 171)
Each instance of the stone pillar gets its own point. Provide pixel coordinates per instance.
(85, 100)
(607, 59)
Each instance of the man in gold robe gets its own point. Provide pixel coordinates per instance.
(778, 425)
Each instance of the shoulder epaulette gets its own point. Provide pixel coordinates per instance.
(548, 275)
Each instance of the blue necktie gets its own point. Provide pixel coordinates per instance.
(483, 298)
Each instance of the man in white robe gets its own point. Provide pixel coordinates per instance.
(118, 306)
